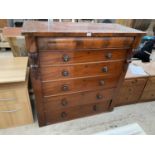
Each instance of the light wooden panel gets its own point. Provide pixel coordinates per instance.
(15, 107)
(16, 41)
(13, 69)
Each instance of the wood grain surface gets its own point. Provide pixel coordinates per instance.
(38, 28)
(81, 70)
(80, 56)
(13, 69)
(69, 43)
(15, 106)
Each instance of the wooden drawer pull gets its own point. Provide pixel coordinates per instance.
(109, 55)
(10, 111)
(65, 73)
(101, 82)
(105, 69)
(64, 88)
(64, 102)
(63, 115)
(99, 96)
(66, 58)
(7, 99)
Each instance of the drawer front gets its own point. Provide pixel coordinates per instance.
(129, 95)
(8, 97)
(71, 100)
(148, 95)
(70, 57)
(84, 70)
(76, 112)
(136, 81)
(85, 84)
(68, 43)
(14, 115)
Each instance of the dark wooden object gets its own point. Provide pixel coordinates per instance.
(77, 68)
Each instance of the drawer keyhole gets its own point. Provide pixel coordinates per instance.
(95, 108)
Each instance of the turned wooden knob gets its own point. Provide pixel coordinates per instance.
(105, 69)
(109, 55)
(101, 82)
(64, 102)
(65, 73)
(65, 88)
(99, 96)
(66, 58)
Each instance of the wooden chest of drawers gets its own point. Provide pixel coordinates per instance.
(77, 68)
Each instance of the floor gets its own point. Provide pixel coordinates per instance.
(142, 113)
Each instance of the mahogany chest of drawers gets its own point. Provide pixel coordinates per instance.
(77, 68)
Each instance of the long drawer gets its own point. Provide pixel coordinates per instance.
(76, 112)
(82, 70)
(8, 97)
(14, 114)
(68, 43)
(81, 56)
(83, 84)
(76, 99)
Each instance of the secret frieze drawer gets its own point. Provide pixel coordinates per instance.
(81, 70)
(81, 56)
(76, 85)
(76, 99)
(68, 43)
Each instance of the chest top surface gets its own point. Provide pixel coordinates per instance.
(38, 28)
(13, 69)
(148, 67)
(130, 74)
